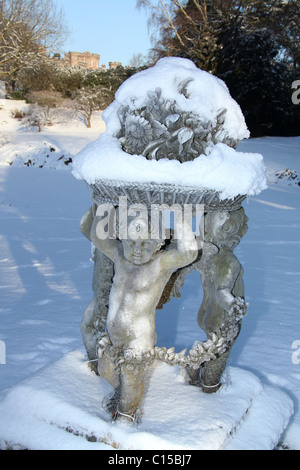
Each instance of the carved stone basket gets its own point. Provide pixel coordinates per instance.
(107, 191)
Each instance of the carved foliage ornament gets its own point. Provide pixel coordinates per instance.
(217, 344)
(161, 130)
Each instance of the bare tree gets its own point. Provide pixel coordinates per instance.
(29, 29)
(161, 13)
(88, 101)
(182, 27)
(47, 108)
(137, 61)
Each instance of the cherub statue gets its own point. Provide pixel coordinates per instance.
(142, 270)
(223, 303)
(93, 322)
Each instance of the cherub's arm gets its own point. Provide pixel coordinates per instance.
(228, 270)
(185, 251)
(86, 223)
(108, 246)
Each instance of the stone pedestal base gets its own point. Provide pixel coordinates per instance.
(60, 407)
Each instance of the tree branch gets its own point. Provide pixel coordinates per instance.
(171, 23)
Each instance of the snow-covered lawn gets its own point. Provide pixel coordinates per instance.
(20, 143)
(45, 268)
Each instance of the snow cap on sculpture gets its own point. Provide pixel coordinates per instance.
(174, 123)
(177, 103)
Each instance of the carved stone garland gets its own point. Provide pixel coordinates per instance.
(201, 352)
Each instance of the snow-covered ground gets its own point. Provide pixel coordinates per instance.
(45, 268)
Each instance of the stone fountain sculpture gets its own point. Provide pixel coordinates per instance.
(181, 124)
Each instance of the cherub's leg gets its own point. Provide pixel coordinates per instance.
(194, 376)
(208, 376)
(111, 402)
(94, 319)
(131, 392)
(107, 370)
(212, 372)
(89, 334)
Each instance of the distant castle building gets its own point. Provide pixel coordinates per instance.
(86, 60)
(82, 59)
(114, 65)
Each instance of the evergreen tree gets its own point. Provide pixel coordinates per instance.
(98, 89)
(253, 45)
(257, 79)
(108, 81)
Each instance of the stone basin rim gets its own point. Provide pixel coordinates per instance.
(109, 191)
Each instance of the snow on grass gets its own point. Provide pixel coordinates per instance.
(21, 144)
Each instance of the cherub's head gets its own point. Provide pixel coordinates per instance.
(226, 228)
(138, 248)
(140, 251)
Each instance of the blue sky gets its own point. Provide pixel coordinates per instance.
(115, 29)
